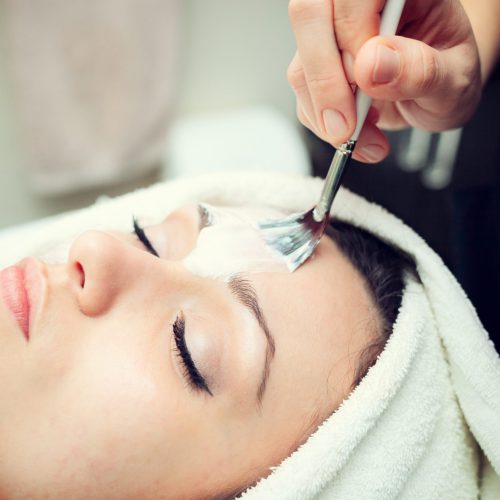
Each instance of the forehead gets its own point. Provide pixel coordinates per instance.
(320, 317)
(326, 286)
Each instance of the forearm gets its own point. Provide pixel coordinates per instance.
(484, 16)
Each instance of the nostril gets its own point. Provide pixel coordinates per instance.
(81, 274)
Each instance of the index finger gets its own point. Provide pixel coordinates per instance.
(355, 21)
(331, 94)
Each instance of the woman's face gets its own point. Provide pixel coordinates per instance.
(144, 379)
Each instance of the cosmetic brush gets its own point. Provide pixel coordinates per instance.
(296, 236)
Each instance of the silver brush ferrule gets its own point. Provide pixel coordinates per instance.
(332, 180)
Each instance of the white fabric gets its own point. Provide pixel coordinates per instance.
(424, 422)
(260, 137)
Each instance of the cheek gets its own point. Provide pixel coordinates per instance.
(116, 383)
(102, 435)
(105, 417)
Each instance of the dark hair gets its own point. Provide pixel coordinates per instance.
(383, 268)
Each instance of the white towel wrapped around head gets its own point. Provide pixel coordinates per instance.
(425, 420)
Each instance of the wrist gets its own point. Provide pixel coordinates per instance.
(484, 18)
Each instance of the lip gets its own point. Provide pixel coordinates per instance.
(22, 289)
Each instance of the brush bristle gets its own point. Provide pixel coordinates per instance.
(294, 237)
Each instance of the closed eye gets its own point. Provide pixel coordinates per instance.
(141, 236)
(205, 218)
(196, 380)
(194, 377)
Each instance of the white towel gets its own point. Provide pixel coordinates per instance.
(425, 421)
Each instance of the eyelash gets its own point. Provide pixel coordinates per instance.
(141, 236)
(191, 372)
(178, 328)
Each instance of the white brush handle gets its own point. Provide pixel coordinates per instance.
(388, 26)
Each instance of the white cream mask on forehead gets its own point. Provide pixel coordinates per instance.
(231, 244)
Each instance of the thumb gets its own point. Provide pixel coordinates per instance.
(397, 68)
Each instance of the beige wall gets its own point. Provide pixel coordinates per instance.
(237, 52)
(234, 53)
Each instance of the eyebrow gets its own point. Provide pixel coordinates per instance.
(245, 293)
(243, 290)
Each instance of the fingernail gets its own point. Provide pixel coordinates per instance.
(348, 62)
(372, 152)
(387, 65)
(335, 123)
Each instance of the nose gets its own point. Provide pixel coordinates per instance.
(101, 267)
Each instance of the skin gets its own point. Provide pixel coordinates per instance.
(97, 405)
(485, 21)
(428, 76)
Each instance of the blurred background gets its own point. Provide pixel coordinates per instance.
(96, 97)
(100, 97)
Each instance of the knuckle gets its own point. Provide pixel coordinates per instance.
(430, 76)
(295, 76)
(465, 97)
(304, 10)
(345, 20)
(323, 84)
(467, 76)
(352, 27)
